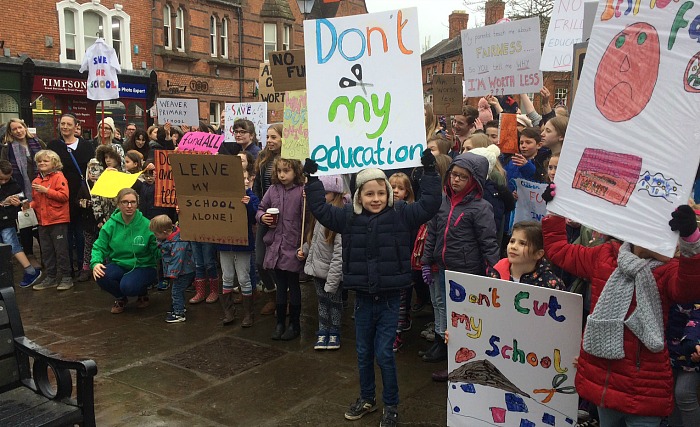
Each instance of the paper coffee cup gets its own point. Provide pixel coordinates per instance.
(275, 216)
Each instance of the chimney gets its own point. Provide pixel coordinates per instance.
(458, 21)
(495, 9)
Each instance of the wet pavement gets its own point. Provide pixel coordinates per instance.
(200, 373)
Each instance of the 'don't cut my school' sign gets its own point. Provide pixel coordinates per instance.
(364, 91)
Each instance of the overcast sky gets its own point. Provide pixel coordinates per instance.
(432, 14)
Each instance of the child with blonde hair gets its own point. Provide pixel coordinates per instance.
(50, 202)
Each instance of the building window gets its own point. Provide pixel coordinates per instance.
(212, 35)
(69, 33)
(80, 25)
(167, 28)
(560, 93)
(269, 40)
(286, 37)
(180, 30)
(224, 38)
(214, 113)
(434, 69)
(427, 77)
(9, 107)
(454, 67)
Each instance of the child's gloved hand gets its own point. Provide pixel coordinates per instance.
(310, 167)
(428, 161)
(683, 221)
(549, 193)
(427, 274)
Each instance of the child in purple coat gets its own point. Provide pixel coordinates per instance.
(282, 241)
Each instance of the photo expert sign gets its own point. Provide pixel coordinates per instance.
(364, 91)
(510, 354)
(210, 189)
(502, 58)
(623, 176)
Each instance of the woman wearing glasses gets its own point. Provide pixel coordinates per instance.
(126, 241)
(244, 133)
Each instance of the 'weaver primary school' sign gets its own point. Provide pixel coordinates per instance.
(364, 91)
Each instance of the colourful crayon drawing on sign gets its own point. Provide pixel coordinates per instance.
(607, 175)
(627, 72)
(658, 185)
(296, 126)
(502, 371)
(692, 75)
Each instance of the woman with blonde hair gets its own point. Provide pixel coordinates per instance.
(432, 124)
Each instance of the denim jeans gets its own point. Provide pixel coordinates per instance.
(687, 411)
(236, 264)
(376, 317)
(9, 236)
(612, 418)
(122, 283)
(180, 283)
(204, 260)
(438, 297)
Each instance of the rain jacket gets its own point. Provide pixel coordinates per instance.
(177, 256)
(462, 236)
(51, 207)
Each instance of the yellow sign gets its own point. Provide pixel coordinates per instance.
(111, 181)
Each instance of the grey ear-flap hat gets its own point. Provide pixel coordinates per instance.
(366, 175)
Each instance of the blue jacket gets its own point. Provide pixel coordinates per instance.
(177, 256)
(683, 334)
(252, 209)
(376, 247)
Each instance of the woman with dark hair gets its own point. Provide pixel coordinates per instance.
(130, 250)
(19, 147)
(75, 153)
(139, 142)
(244, 133)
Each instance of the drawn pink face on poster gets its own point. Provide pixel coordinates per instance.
(627, 72)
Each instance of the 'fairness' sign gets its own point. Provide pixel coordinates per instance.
(364, 91)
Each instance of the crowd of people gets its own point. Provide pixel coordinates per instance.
(386, 236)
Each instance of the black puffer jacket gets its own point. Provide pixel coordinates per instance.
(376, 247)
(462, 236)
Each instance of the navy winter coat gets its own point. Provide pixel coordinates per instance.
(376, 247)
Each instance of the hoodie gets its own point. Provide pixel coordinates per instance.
(127, 245)
(462, 236)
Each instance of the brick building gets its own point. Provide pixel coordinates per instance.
(446, 56)
(207, 49)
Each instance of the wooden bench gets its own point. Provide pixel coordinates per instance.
(36, 385)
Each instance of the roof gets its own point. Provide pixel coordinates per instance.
(444, 49)
(276, 9)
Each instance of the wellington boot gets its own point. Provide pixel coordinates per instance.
(228, 307)
(294, 328)
(247, 321)
(200, 285)
(213, 290)
(279, 331)
(269, 307)
(439, 353)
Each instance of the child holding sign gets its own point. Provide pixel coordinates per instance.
(624, 363)
(376, 264)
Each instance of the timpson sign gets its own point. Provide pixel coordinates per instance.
(71, 86)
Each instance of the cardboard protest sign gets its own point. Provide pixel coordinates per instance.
(363, 115)
(579, 56)
(210, 189)
(165, 196)
(295, 126)
(256, 112)
(530, 206)
(111, 182)
(502, 368)
(447, 93)
(508, 133)
(203, 142)
(624, 176)
(565, 30)
(503, 58)
(178, 111)
(267, 91)
(288, 69)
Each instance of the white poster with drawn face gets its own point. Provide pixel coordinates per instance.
(632, 146)
(364, 91)
(502, 369)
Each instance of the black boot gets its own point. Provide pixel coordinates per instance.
(422, 353)
(281, 320)
(440, 352)
(294, 328)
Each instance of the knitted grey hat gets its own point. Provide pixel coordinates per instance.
(364, 176)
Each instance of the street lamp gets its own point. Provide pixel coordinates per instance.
(305, 7)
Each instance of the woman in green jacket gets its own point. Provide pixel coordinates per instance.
(126, 241)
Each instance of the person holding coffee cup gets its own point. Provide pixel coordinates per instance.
(281, 211)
